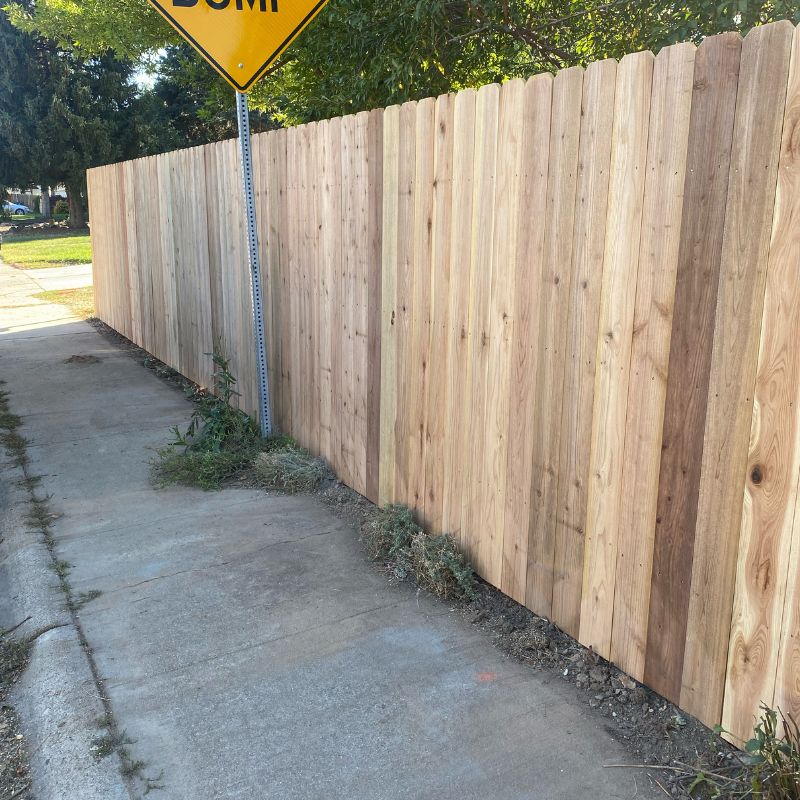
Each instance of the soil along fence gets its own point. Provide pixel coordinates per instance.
(559, 318)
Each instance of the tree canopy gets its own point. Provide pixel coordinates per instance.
(61, 113)
(361, 54)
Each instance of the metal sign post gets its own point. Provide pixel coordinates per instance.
(245, 152)
(240, 41)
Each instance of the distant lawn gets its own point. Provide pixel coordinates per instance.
(79, 301)
(42, 250)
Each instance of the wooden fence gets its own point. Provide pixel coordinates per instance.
(560, 318)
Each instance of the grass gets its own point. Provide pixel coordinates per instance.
(40, 251)
(223, 444)
(204, 470)
(289, 469)
(79, 301)
(434, 562)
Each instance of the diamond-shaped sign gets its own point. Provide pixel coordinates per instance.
(239, 38)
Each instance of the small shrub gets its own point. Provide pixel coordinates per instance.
(61, 208)
(769, 768)
(290, 469)
(435, 562)
(220, 442)
(216, 425)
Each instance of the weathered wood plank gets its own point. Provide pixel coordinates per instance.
(748, 223)
(670, 110)
(705, 192)
(773, 464)
(591, 205)
(618, 293)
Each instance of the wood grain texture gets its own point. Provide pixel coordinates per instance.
(500, 345)
(705, 199)
(591, 203)
(361, 306)
(620, 266)
(528, 264)
(773, 463)
(167, 261)
(374, 281)
(541, 314)
(347, 300)
(403, 328)
(438, 402)
(480, 393)
(670, 111)
(787, 680)
(417, 367)
(389, 268)
(553, 285)
(456, 433)
(748, 223)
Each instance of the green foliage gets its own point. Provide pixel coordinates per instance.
(216, 425)
(362, 54)
(35, 251)
(774, 755)
(434, 562)
(62, 112)
(290, 469)
(205, 470)
(61, 207)
(769, 768)
(220, 442)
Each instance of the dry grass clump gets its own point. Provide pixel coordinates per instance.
(290, 469)
(434, 562)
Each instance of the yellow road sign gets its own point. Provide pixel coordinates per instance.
(239, 38)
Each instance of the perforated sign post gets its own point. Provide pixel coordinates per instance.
(240, 39)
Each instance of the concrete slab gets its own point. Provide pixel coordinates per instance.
(71, 276)
(245, 644)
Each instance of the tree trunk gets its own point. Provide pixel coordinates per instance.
(77, 219)
(44, 203)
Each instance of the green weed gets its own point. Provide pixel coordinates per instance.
(216, 425)
(434, 562)
(220, 442)
(85, 597)
(768, 769)
(205, 470)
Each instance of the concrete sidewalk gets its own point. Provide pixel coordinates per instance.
(244, 643)
(72, 276)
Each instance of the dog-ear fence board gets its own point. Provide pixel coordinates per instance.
(559, 318)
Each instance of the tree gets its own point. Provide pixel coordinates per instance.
(61, 114)
(197, 103)
(361, 54)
